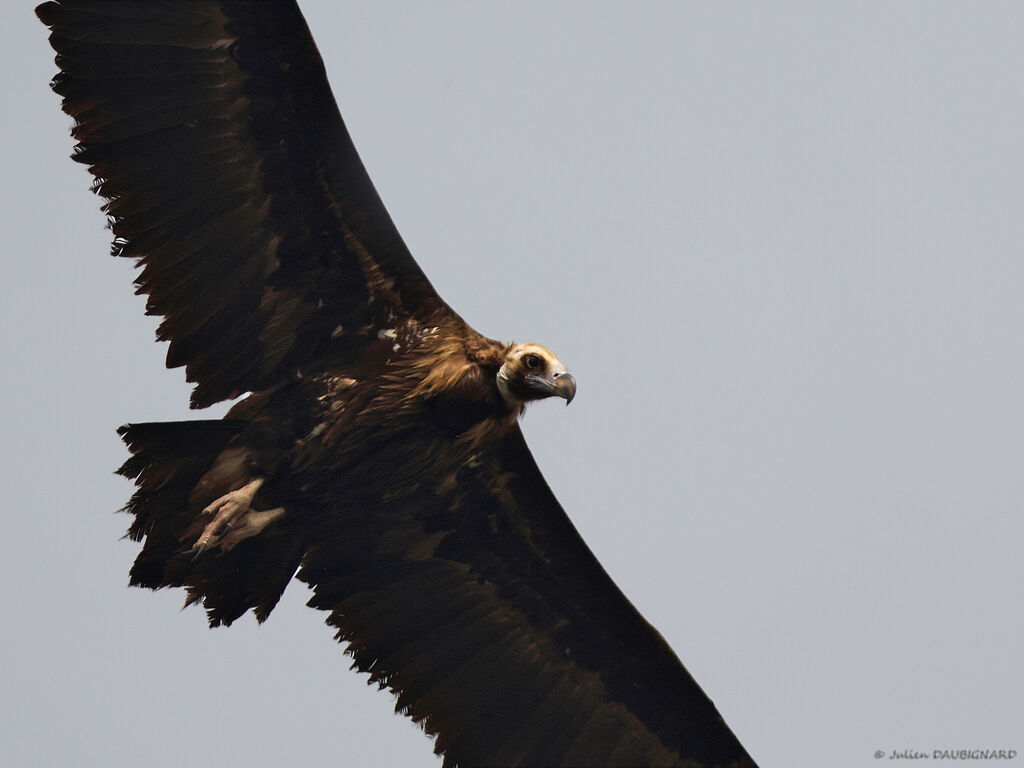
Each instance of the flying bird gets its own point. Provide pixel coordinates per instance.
(374, 450)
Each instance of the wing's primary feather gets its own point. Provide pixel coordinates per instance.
(212, 131)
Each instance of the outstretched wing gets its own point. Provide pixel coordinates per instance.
(212, 132)
(477, 602)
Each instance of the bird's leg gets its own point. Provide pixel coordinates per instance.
(234, 519)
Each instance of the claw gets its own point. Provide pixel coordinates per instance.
(234, 519)
(225, 510)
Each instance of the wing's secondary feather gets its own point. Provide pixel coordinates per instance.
(475, 599)
(212, 131)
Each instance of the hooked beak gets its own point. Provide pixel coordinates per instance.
(561, 384)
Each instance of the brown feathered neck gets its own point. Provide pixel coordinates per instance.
(458, 380)
(458, 363)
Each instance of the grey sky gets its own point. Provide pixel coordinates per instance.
(780, 247)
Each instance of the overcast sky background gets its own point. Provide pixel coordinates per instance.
(780, 246)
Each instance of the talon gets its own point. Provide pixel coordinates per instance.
(196, 551)
(226, 510)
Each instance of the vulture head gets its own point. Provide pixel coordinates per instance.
(532, 372)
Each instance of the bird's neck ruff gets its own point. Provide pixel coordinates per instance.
(503, 387)
(515, 405)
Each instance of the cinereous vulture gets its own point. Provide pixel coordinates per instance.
(375, 449)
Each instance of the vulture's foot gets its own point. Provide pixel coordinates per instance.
(234, 519)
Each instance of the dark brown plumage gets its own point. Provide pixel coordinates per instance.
(378, 450)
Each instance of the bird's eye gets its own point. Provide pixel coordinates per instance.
(532, 361)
